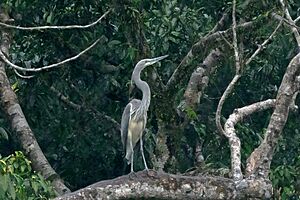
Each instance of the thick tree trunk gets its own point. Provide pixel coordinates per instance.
(156, 185)
(258, 164)
(19, 125)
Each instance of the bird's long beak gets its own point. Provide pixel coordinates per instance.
(151, 61)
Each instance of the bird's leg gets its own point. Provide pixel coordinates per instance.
(131, 157)
(142, 151)
(132, 173)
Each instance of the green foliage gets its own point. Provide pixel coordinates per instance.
(88, 145)
(18, 181)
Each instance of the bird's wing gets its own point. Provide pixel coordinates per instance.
(125, 124)
(129, 110)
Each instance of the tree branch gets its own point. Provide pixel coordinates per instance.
(235, 78)
(65, 99)
(229, 131)
(78, 107)
(22, 76)
(159, 185)
(20, 127)
(258, 164)
(199, 81)
(288, 16)
(200, 49)
(235, 43)
(262, 46)
(39, 28)
(234, 141)
(2, 55)
(289, 23)
(219, 25)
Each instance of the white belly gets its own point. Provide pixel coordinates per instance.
(136, 130)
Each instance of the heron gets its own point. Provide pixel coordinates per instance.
(134, 116)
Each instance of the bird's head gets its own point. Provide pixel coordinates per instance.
(150, 61)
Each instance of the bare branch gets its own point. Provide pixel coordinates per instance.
(201, 48)
(235, 43)
(234, 141)
(258, 164)
(39, 28)
(288, 16)
(160, 185)
(237, 72)
(22, 76)
(262, 46)
(227, 42)
(199, 79)
(297, 19)
(21, 129)
(185, 61)
(237, 116)
(222, 100)
(287, 22)
(219, 25)
(65, 99)
(78, 107)
(48, 66)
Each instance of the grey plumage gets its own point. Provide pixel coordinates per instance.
(134, 116)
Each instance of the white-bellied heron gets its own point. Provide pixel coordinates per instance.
(134, 116)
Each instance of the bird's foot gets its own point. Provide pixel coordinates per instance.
(146, 169)
(132, 175)
(150, 172)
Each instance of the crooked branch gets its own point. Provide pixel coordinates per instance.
(258, 164)
(7, 61)
(20, 127)
(234, 141)
(289, 18)
(262, 46)
(200, 48)
(22, 76)
(78, 107)
(229, 131)
(286, 21)
(54, 27)
(199, 80)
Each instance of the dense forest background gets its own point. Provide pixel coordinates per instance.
(74, 110)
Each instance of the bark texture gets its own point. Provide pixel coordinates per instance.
(152, 185)
(258, 164)
(234, 141)
(199, 50)
(19, 125)
(199, 79)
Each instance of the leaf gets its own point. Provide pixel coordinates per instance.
(4, 181)
(3, 134)
(49, 18)
(2, 193)
(14, 87)
(11, 189)
(16, 165)
(23, 167)
(35, 187)
(113, 43)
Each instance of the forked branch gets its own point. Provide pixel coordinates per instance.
(39, 28)
(258, 164)
(229, 130)
(7, 61)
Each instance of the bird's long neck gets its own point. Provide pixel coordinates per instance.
(142, 85)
